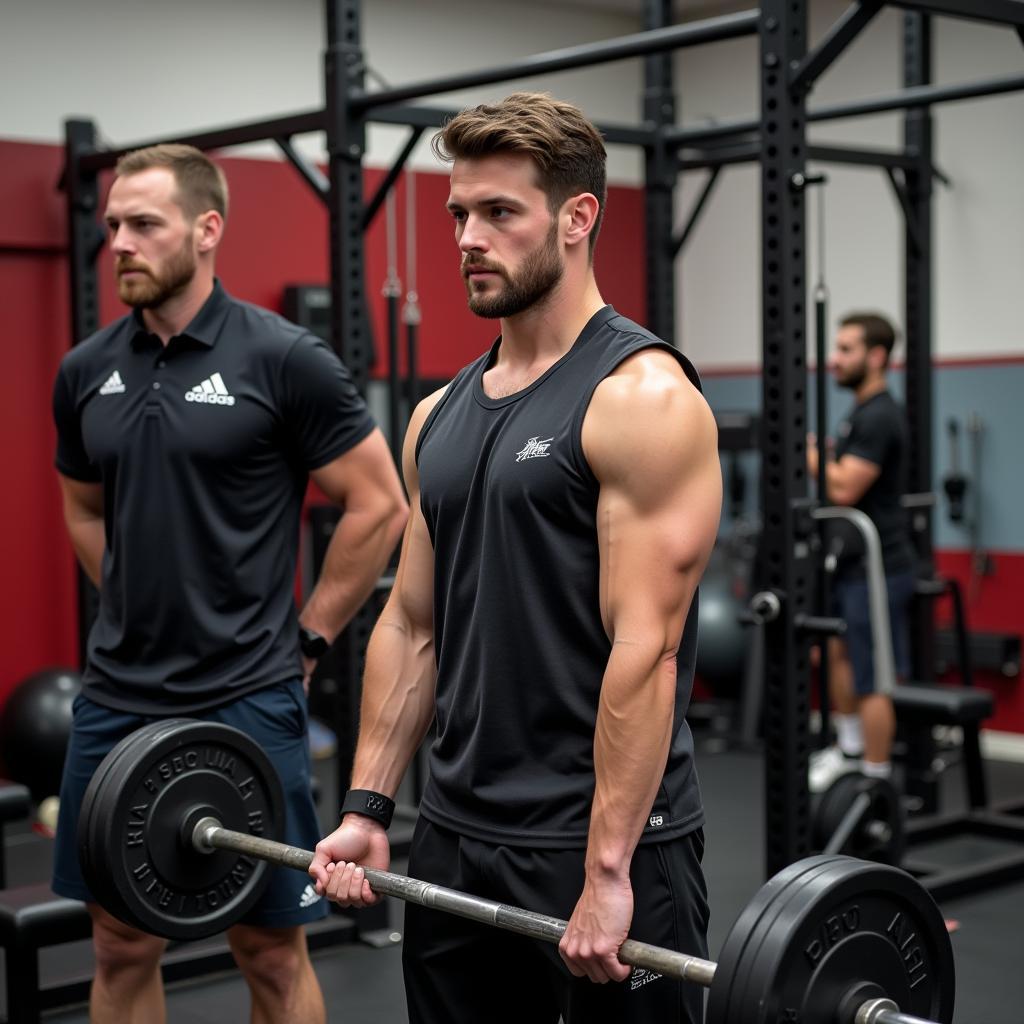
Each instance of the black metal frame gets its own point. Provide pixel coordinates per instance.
(777, 139)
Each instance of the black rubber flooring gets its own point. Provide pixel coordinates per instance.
(362, 985)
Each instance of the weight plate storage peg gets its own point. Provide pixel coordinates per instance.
(138, 815)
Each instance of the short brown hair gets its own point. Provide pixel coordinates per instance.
(201, 183)
(565, 147)
(877, 330)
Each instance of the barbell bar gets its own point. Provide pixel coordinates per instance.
(209, 835)
(175, 838)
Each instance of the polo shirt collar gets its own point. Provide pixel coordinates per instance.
(204, 327)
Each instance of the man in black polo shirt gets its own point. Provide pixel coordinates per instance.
(869, 473)
(187, 432)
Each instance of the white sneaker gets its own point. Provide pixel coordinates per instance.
(825, 766)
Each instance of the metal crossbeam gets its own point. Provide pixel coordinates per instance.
(680, 240)
(417, 116)
(916, 96)
(862, 155)
(639, 44)
(722, 156)
(842, 33)
(218, 138)
(390, 178)
(919, 96)
(308, 171)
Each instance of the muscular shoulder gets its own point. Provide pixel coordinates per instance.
(647, 409)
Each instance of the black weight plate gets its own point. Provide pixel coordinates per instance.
(129, 751)
(885, 808)
(756, 917)
(763, 940)
(821, 929)
(91, 861)
(164, 885)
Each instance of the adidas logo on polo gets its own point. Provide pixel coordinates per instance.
(211, 391)
(113, 385)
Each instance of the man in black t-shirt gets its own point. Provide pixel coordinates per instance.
(566, 491)
(187, 432)
(868, 471)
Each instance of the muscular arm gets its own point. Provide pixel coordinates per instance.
(398, 697)
(847, 479)
(398, 684)
(650, 439)
(83, 516)
(364, 484)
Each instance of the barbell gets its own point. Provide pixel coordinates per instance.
(176, 838)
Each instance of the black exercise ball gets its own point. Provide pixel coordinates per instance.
(35, 724)
(722, 639)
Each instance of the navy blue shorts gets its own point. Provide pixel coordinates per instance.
(277, 718)
(463, 972)
(850, 600)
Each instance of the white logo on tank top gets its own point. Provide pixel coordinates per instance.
(535, 449)
(641, 977)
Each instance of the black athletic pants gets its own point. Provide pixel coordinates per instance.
(462, 972)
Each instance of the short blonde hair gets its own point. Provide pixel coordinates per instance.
(201, 183)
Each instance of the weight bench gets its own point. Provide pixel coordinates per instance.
(919, 707)
(15, 803)
(31, 918)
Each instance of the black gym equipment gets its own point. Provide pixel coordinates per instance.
(15, 803)
(35, 724)
(830, 939)
(862, 817)
(722, 644)
(954, 483)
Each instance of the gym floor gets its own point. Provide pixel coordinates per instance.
(363, 985)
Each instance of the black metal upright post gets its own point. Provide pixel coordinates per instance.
(85, 236)
(340, 674)
(787, 565)
(659, 111)
(918, 313)
(346, 144)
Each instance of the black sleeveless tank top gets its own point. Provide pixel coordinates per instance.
(510, 504)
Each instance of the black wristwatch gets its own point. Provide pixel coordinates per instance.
(312, 644)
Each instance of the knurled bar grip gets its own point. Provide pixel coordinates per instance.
(209, 835)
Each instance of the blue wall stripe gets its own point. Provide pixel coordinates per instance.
(994, 393)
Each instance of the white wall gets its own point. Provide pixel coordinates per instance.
(144, 69)
(979, 222)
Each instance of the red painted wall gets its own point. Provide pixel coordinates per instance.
(277, 235)
(992, 604)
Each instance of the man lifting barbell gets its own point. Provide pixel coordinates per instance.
(566, 492)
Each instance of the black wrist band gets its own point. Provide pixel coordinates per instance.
(372, 805)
